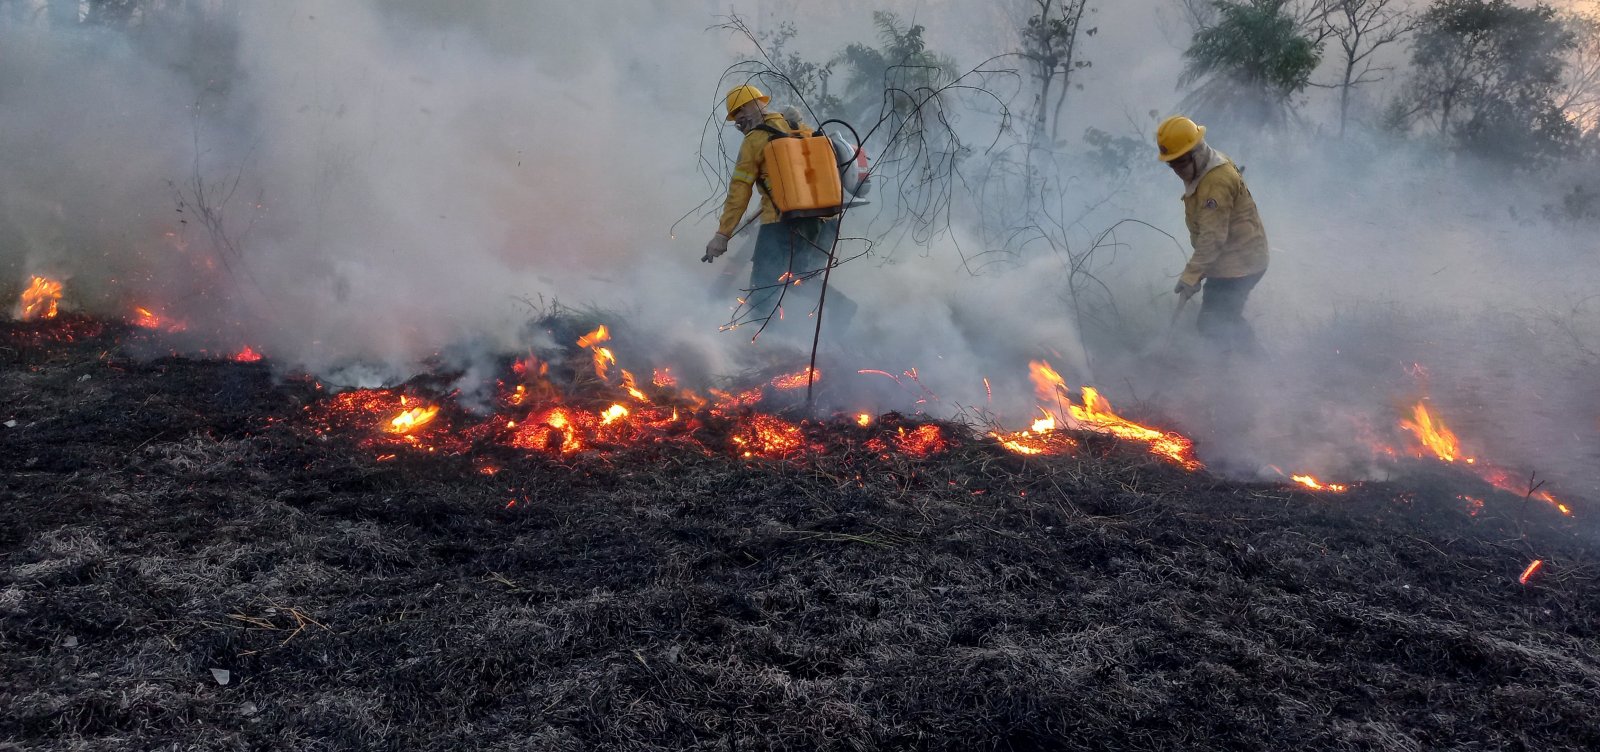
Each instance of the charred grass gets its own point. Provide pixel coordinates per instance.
(165, 525)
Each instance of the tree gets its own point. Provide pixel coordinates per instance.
(903, 62)
(1308, 15)
(1050, 45)
(1250, 63)
(1579, 93)
(1487, 75)
(1362, 27)
(808, 80)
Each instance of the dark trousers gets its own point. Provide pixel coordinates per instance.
(1222, 313)
(786, 252)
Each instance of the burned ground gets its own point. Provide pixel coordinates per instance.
(166, 524)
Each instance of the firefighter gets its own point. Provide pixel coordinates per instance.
(786, 251)
(1230, 245)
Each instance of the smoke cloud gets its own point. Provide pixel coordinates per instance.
(356, 188)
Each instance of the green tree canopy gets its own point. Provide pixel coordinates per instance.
(1487, 74)
(902, 61)
(1249, 64)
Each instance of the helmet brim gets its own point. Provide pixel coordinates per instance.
(763, 99)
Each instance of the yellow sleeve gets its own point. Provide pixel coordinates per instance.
(742, 183)
(1213, 208)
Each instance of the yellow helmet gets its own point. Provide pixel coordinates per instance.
(740, 96)
(1177, 136)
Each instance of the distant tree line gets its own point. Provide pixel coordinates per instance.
(1501, 79)
(1490, 77)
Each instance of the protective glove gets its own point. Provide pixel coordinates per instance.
(1184, 290)
(715, 248)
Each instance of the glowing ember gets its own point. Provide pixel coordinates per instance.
(728, 402)
(411, 420)
(530, 366)
(1096, 415)
(247, 355)
(1474, 505)
(768, 436)
(40, 300)
(922, 441)
(797, 380)
(663, 378)
(1504, 481)
(1526, 573)
(144, 318)
(1316, 485)
(557, 431)
(1433, 434)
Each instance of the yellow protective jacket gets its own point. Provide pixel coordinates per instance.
(749, 169)
(1224, 227)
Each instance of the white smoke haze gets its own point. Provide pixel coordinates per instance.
(413, 179)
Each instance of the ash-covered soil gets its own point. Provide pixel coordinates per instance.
(183, 566)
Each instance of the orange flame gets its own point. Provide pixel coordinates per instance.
(797, 380)
(1038, 439)
(1312, 483)
(613, 414)
(864, 420)
(632, 387)
(247, 355)
(1438, 439)
(603, 357)
(40, 300)
(595, 337)
(603, 360)
(1434, 434)
(411, 420)
(1096, 415)
(1047, 384)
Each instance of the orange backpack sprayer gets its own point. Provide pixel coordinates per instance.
(803, 173)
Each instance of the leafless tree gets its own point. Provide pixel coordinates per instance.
(1579, 96)
(1362, 27)
(1050, 45)
(1197, 14)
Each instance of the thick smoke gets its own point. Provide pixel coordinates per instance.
(356, 188)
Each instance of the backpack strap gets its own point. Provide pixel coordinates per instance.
(774, 130)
